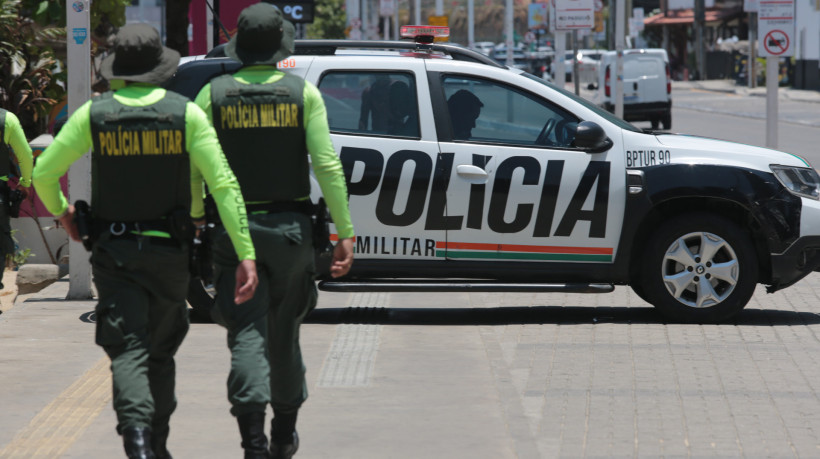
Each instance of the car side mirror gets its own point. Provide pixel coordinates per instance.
(591, 138)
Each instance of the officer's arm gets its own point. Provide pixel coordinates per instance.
(203, 101)
(326, 164)
(17, 139)
(73, 141)
(207, 157)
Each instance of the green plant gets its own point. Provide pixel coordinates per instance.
(20, 255)
(28, 69)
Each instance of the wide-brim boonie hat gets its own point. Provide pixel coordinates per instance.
(263, 36)
(139, 56)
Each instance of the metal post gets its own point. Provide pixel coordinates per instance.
(78, 59)
(700, 46)
(559, 72)
(417, 11)
(752, 67)
(470, 23)
(367, 21)
(508, 30)
(575, 64)
(772, 74)
(619, 60)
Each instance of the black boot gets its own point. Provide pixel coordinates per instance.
(284, 450)
(284, 441)
(137, 443)
(252, 429)
(159, 438)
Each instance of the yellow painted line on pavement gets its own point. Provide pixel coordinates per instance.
(57, 426)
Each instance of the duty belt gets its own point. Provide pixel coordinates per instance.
(123, 228)
(305, 207)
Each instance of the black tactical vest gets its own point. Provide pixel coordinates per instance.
(140, 170)
(5, 166)
(261, 129)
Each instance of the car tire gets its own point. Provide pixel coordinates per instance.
(655, 123)
(201, 301)
(638, 289)
(667, 121)
(687, 288)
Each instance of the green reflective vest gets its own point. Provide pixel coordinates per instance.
(140, 169)
(261, 129)
(5, 166)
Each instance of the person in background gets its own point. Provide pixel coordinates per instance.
(268, 151)
(464, 108)
(13, 141)
(141, 229)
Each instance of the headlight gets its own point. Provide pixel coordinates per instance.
(802, 181)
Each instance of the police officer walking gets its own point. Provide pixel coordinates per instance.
(151, 150)
(267, 122)
(13, 141)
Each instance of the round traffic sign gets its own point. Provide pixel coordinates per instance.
(776, 42)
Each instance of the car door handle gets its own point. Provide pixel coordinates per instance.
(470, 172)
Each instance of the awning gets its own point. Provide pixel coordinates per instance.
(683, 17)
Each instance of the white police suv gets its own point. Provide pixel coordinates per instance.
(464, 174)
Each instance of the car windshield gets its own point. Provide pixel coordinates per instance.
(598, 110)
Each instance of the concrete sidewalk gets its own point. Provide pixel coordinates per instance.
(56, 389)
(729, 86)
(454, 375)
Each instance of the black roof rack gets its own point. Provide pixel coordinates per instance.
(329, 47)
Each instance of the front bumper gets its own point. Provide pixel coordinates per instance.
(643, 112)
(798, 261)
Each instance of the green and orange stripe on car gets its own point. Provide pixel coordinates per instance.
(521, 252)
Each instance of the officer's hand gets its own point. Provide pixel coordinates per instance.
(199, 224)
(67, 222)
(342, 257)
(246, 281)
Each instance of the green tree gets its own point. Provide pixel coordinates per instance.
(329, 20)
(106, 15)
(28, 80)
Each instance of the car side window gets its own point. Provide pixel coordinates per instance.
(491, 112)
(369, 102)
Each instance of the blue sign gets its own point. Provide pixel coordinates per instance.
(79, 34)
(78, 6)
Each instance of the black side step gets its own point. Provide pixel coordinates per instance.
(444, 285)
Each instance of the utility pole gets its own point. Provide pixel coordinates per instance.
(619, 59)
(78, 30)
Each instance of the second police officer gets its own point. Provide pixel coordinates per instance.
(151, 149)
(267, 122)
(12, 140)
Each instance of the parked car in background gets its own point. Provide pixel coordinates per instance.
(588, 62)
(519, 58)
(647, 86)
(484, 47)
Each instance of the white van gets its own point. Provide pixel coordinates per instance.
(647, 86)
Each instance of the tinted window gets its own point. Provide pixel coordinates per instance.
(487, 111)
(381, 103)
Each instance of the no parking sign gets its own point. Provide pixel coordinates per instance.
(775, 22)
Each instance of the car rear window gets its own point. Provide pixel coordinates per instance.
(643, 66)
